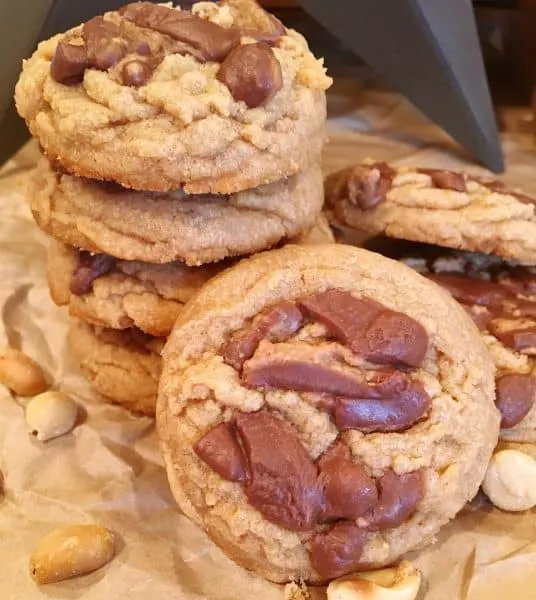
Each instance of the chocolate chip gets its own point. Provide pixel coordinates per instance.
(283, 482)
(471, 291)
(276, 323)
(219, 448)
(519, 339)
(69, 63)
(384, 415)
(104, 45)
(398, 498)
(338, 551)
(252, 73)
(137, 72)
(366, 186)
(89, 267)
(368, 328)
(349, 491)
(211, 41)
(446, 180)
(515, 397)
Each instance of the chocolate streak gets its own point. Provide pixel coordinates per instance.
(89, 267)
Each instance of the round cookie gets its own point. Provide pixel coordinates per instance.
(501, 298)
(447, 208)
(123, 366)
(324, 412)
(162, 228)
(216, 100)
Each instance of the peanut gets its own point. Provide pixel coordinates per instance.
(50, 415)
(396, 583)
(20, 373)
(70, 552)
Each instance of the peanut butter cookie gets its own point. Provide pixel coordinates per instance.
(162, 228)
(218, 99)
(324, 412)
(435, 206)
(123, 366)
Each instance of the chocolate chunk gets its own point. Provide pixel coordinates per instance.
(515, 397)
(518, 280)
(252, 73)
(519, 339)
(137, 72)
(471, 291)
(349, 491)
(211, 41)
(103, 43)
(446, 180)
(366, 186)
(89, 268)
(368, 328)
(398, 498)
(338, 551)
(276, 323)
(219, 448)
(69, 64)
(384, 415)
(283, 483)
(481, 316)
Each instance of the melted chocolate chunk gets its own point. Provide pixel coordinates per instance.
(519, 339)
(252, 73)
(495, 185)
(518, 280)
(397, 413)
(398, 499)
(481, 318)
(366, 186)
(471, 291)
(283, 482)
(446, 180)
(90, 267)
(276, 323)
(210, 40)
(338, 551)
(368, 328)
(69, 64)
(221, 451)
(349, 491)
(515, 397)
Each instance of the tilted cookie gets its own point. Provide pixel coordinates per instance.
(162, 228)
(218, 99)
(501, 299)
(435, 206)
(324, 412)
(123, 366)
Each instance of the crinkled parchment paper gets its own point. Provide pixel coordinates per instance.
(108, 470)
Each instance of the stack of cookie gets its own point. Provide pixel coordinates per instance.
(173, 141)
(474, 237)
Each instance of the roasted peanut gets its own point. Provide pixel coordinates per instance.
(20, 373)
(50, 415)
(397, 583)
(510, 481)
(70, 552)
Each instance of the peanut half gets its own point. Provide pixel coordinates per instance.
(510, 481)
(20, 373)
(70, 552)
(50, 415)
(397, 583)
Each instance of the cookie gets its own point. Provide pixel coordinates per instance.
(324, 412)
(162, 228)
(108, 292)
(447, 208)
(123, 366)
(218, 99)
(501, 298)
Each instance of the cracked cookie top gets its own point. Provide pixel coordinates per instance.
(218, 98)
(324, 412)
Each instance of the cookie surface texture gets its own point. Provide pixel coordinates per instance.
(324, 411)
(447, 208)
(162, 228)
(123, 366)
(219, 99)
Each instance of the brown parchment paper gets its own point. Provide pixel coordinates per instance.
(108, 470)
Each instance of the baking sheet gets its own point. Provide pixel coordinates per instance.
(108, 470)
